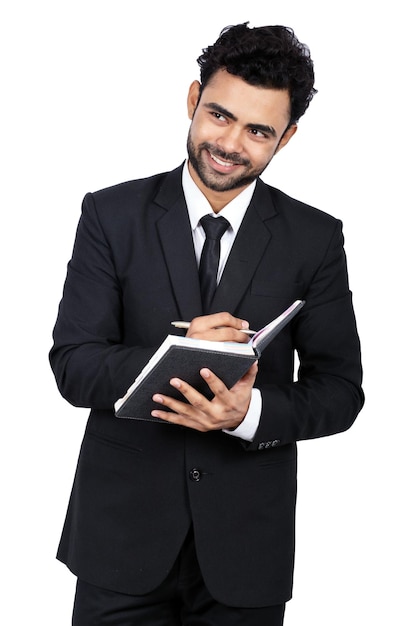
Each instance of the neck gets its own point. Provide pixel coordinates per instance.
(216, 199)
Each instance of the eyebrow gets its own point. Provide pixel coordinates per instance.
(268, 130)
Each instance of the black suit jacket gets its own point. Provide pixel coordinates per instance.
(132, 272)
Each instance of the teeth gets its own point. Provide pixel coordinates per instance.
(220, 162)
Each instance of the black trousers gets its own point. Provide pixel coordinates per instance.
(181, 600)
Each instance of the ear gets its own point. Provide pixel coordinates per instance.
(193, 98)
(290, 132)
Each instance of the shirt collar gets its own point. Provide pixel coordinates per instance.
(198, 205)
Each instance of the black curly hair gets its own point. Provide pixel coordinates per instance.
(265, 56)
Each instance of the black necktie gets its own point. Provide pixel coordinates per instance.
(214, 227)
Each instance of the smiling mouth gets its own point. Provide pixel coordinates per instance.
(222, 163)
(219, 161)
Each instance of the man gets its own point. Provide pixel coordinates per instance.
(193, 521)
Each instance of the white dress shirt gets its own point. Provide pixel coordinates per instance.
(234, 212)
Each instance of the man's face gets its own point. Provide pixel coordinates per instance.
(236, 130)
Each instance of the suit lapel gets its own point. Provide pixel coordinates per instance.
(178, 248)
(249, 247)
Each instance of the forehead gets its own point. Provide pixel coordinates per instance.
(248, 103)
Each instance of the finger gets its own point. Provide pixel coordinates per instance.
(170, 407)
(194, 399)
(218, 387)
(250, 376)
(181, 413)
(221, 333)
(226, 319)
(218, 327)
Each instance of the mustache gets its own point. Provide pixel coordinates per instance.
(233, 157)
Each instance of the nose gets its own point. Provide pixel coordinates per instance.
(230, 140)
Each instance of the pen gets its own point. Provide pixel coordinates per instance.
(185, 325)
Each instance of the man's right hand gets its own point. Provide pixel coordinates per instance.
(219, 327)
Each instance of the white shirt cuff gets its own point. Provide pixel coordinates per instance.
(247, 429)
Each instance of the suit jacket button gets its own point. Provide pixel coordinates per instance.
(195, 474)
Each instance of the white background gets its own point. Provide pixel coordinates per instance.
(94, 93)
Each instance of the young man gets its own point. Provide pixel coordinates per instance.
(193, 522)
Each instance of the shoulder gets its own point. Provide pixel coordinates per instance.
(308, 230)
(296, 210)
(134, 191)
(133, 203)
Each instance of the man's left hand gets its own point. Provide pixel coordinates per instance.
(226, 410)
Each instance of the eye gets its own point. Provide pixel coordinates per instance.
(258, 134)
(218, 116)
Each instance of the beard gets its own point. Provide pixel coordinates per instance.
(216, 181)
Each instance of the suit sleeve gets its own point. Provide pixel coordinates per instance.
(92, 366)
(327, 396)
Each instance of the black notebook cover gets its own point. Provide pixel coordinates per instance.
(186, 363)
